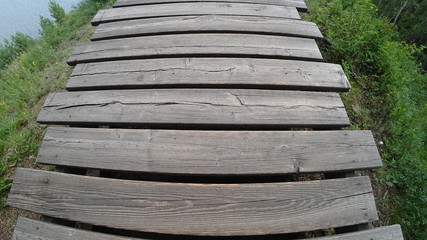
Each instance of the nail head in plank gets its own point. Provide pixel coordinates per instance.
(209, 73)
(210, 152)
(196, 209)
(30, 229)
(224, 108)
(197, 45)
(393, 232)
(193, 8)
(299, 4)
(207, 23)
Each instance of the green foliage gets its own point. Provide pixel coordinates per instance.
(411, 19)
(388, 96)
(10, 49)
(5, 185)
(29, 69)
(353, 32)
(406, 149)
(63, 28)
(56, 11)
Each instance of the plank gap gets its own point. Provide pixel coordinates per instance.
(194, 178)
(107, 59)
(70, 170)
(207, 127)
(158, 236)
(211, 86)
(182, 178)
(283, 34)
(352, 228)
(345, 174)
(58, 221)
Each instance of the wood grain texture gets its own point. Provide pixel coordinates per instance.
(209, 73)
(30, 229)
(299, 4)
(207, 23)
(197, 45)
(393, 232)
(196, 209)
(194, 8)
(210, 152)
(222, 108)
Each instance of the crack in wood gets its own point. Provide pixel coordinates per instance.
(241, 103)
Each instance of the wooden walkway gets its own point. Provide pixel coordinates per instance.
(200, 119)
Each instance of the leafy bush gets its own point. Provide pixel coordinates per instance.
(388, 96)
(352, 30)
(406, 149)
(5, 184)
(10, 49)
(56, 11)
(63, 28)
(410, 17)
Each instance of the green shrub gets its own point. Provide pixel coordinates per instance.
(406, 150)
(388, 96)
(56, 11)
(10, 49)
(5, 184)
(353, 31)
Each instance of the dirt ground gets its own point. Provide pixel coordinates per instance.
(8, 218)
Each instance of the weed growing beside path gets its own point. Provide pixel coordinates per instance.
(389, 97)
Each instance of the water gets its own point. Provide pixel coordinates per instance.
(23, 15)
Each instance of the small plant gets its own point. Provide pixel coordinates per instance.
(5, 184)
(12, 48)
(56, 11)
(388, 96)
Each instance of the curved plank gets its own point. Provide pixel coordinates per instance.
(196, 108)
(30, 229)
(196, 45)
(196, 209)
(210, 152)
(194, 8)
(207, 23)
(393, 232)
(299, 4)
(209, 72)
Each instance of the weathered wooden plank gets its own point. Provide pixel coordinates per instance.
(393, 232)
(193, 108)
(207, 23)
(299, 4)
(210, 152)
(196, 209)
(194, 8)
(209, 73)
(30, 229)
(196, 45)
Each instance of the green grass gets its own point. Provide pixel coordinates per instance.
(388, 96)
(29, 69)
(10, 49)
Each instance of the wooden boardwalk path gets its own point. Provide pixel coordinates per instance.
(201, 119)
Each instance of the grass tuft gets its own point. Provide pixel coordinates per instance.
(388, 97)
